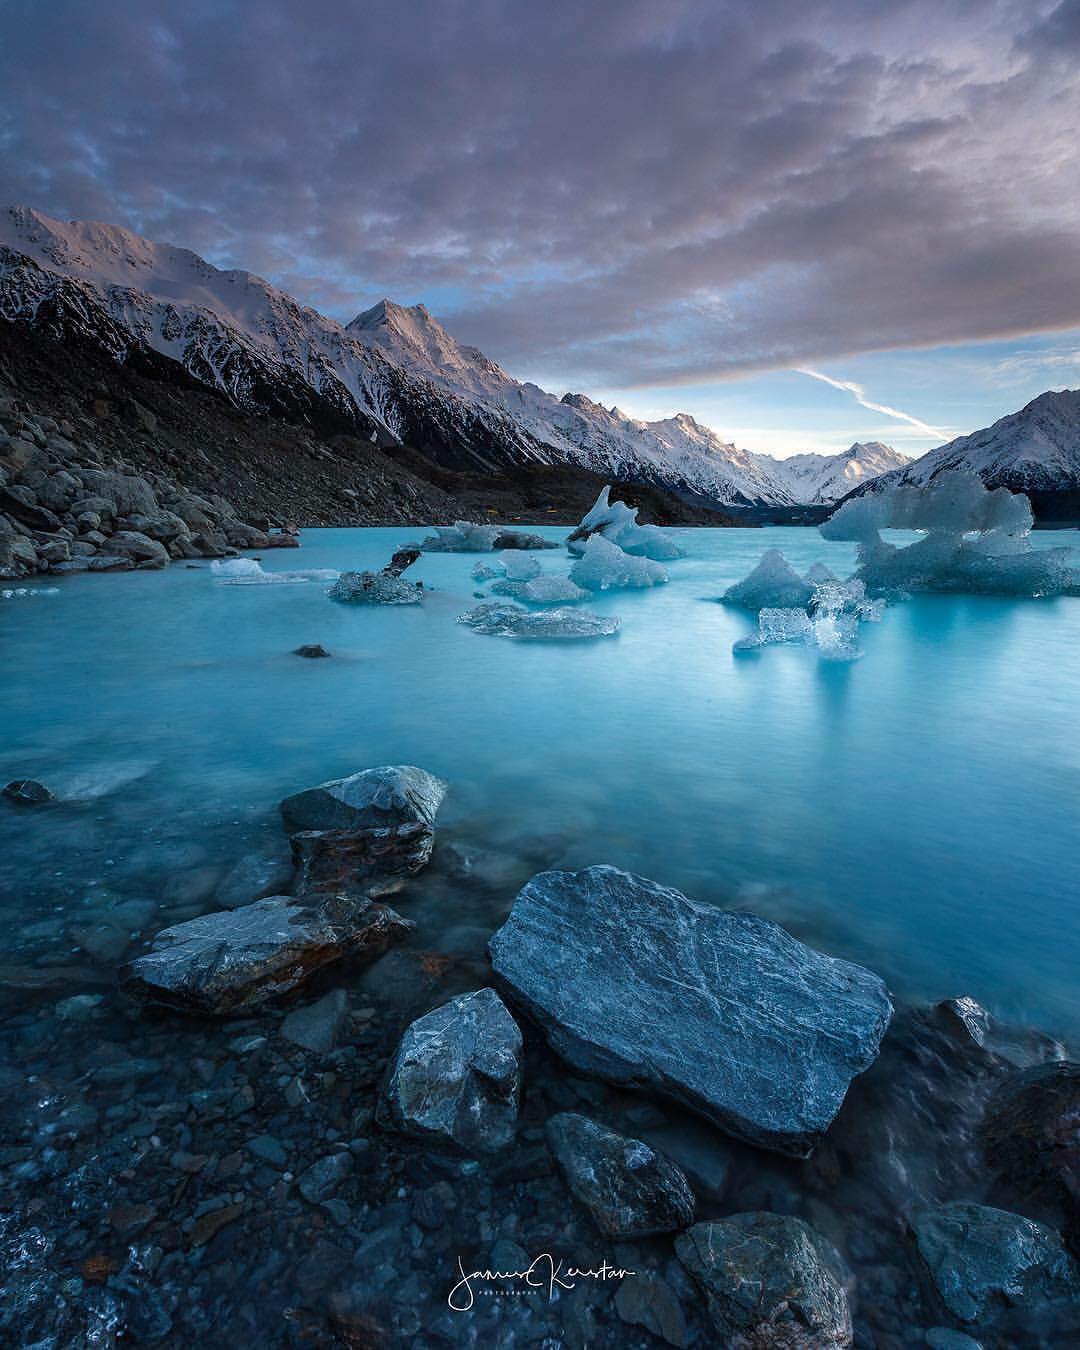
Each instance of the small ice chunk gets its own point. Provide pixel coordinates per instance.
(502, 620)
(773, 584)
(550, 590)
(514, 589)
(519, 566)
(483, 572)
(235, 567)
(462, 537)
(247, 572)
(376, 588)
(603, 566)
(618, 523)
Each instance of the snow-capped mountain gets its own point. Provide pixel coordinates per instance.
(822, 479)
(393, 372)
(1034, 450)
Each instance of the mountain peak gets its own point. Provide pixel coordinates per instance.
(388, 313)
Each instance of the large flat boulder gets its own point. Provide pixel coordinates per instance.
(769, 1280)
(237, 959)
(456, 1077)
(380, 798)
(727, 1013)
(629, 1189)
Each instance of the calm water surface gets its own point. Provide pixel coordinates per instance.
(915, 810)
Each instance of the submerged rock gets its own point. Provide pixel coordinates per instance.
(456, 1076)
(629, 1189)
(381, 798)
(254, 877)
(1031, 1136)
(27, 792)
(983, 1261)
(770, 1280)
(318, 1026)
(369, 862)
(312, 650)
(727, 1013)
(236, 959)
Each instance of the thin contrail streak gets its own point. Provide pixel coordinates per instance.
(859, 394)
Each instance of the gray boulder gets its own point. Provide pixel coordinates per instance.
(318, 1025)
(236, 959)
(382, 798)
(983, 1261)
(21, 504)
(629, 1189)
(727, 1013)
(456, 1076)
(139, 547)
(769, 1280)
(129, 494)
(59, 490)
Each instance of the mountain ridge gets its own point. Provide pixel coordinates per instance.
(393, 374)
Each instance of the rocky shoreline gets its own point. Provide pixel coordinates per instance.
(359, 1136)
(64, 510)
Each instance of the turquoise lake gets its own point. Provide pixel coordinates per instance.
(915, 810)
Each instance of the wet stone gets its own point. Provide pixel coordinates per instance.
(324, 1177)
(769, 1279)
(629, 1189)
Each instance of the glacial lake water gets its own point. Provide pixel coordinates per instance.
(915, 810)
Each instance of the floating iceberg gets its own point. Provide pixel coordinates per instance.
(483, 572)
(819, 572)
(773, 584)
(542, 590)
(466, 537)
(19, 591)
(999, 560)
(603, 566)
(247, 572)
(519, 567)
(387, 587)
(502, 620)
(830, 622)
(461, 537)
(618, 523)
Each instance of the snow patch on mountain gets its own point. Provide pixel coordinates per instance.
(822, 479)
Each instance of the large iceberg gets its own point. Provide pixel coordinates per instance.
(502, 620)
(773, 584)
(247, 572)
(618, 523)
(977, 540)
(603, 566)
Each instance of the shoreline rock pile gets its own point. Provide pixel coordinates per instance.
(63, 510)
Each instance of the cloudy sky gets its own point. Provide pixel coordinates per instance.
(801, 220)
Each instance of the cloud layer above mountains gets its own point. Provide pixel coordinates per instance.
(633, 192)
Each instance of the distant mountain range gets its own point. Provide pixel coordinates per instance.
(396, 377)
(393, 373)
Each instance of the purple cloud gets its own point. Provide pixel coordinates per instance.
(619, 192)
